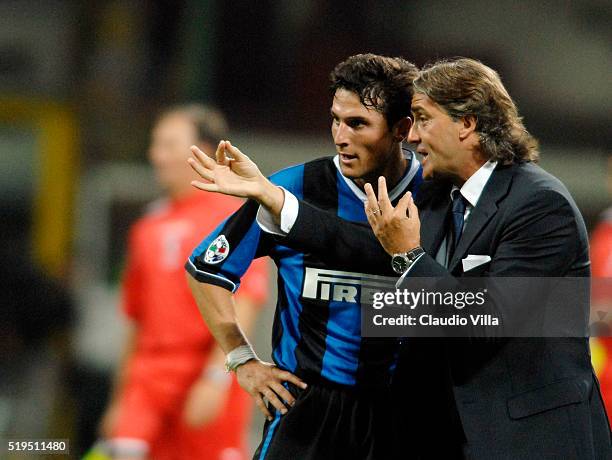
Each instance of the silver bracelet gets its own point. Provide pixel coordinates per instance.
(238, 356)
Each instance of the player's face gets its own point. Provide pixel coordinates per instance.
(170, 141)
(437, 138)
(364, 142)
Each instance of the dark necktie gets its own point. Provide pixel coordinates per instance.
(458, 210)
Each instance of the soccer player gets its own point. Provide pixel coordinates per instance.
(172, 398)
(328, 389)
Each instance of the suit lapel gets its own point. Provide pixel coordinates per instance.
(495, 190)
(433, 226)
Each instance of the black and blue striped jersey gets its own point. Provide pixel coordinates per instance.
(317, 325)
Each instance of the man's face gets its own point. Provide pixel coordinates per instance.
(437, 138)
(170, 141)
(363, 139)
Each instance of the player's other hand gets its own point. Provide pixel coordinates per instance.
(233, 175)
(265, 380)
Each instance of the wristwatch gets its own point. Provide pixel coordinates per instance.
(402, 261)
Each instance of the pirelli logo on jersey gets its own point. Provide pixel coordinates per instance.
(338, 286)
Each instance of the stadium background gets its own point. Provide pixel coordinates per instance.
(80, 83)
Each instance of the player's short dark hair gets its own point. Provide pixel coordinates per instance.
(465, 87)
(381, 82)
(210, 123)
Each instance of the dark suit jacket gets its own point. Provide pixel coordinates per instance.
(506, 398)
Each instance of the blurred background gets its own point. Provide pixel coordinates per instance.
(81, 83)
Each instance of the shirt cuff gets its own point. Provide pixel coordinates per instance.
(288, 216)
(399, 281)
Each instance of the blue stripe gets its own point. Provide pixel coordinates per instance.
(291, 178)
(271, 429)
(342, 343)
(240, 257)
(291, 270)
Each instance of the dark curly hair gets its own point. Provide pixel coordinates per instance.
(465, 87)
(382, 83)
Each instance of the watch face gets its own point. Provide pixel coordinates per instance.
(399, 264)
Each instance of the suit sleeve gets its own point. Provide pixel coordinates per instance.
(336, 240)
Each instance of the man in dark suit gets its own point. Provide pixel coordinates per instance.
(490, 209)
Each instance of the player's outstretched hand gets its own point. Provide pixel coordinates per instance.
(265, 380)
(398, 229)
(233, 175)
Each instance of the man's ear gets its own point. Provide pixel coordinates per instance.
(401, 129)
(468, 126)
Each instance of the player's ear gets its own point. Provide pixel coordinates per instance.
(401, 129)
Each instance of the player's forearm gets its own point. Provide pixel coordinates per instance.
(216, 306)
(246, 312)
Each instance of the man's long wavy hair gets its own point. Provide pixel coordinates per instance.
(466, 87)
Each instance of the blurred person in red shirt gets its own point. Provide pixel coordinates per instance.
(601, 267)
(172, 398)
